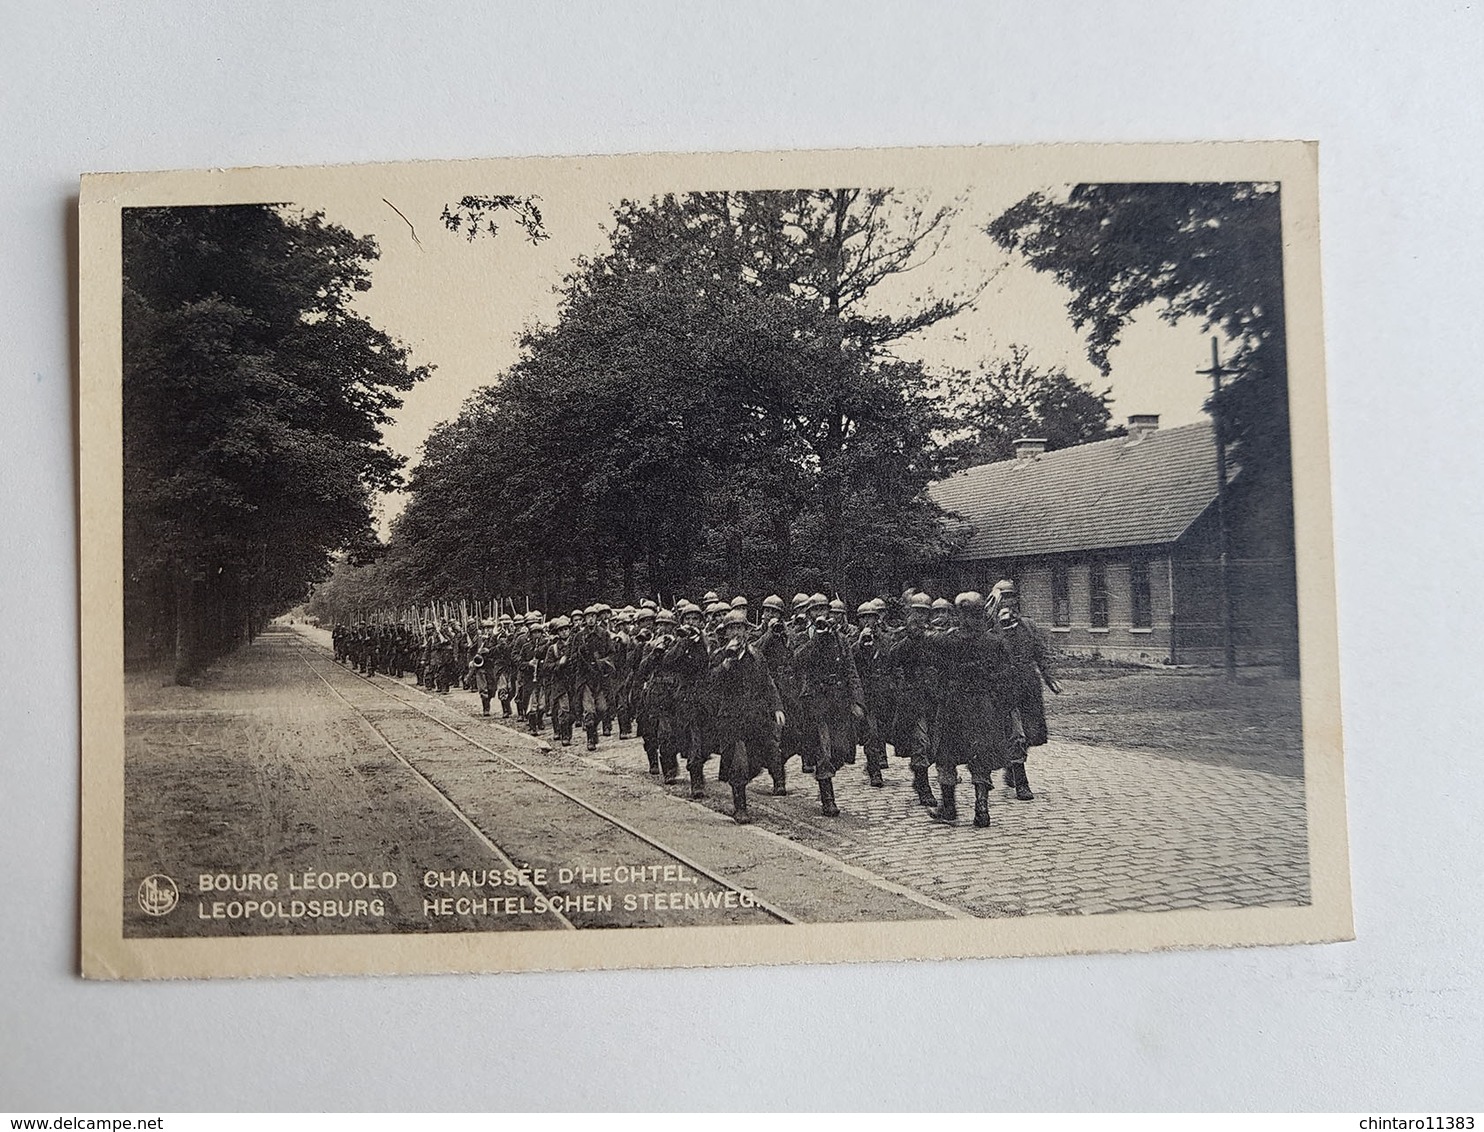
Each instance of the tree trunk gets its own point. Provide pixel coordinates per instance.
(783, 552)
(734, 548)
(185, 626)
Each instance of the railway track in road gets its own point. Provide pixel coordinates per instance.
(369, 698)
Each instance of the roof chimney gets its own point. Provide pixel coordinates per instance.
(1028, 446)
(1141, 425)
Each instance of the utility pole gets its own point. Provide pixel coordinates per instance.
(1228, 638)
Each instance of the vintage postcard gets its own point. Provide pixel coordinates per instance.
(788, 557)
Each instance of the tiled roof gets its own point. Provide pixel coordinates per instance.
(1111, 493)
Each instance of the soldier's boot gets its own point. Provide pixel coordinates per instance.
(827, 798)
(669, 768)
(697, 778)
(590, 722)
(607, 725)
(873, 768)
(1022, 783)
(947, 810)
(780, 780)
(740, 813)
(504, 707)
(484, 703)
(981, 805)
(925, 795)
(654, 758)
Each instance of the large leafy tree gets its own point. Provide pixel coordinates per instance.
(1210, 253)
(1001, 401)
(715, 403)
(254, 398)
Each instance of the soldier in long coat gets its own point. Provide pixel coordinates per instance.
(559, 674)
(482, 665)
(656, 700)
(645, 722)
(1030, 658)
(832, 697)
(974, 724)
(916, 690)
(776, 648)
(442, 661)
(626, 662)
(871, 651)
(501, 656)
(530, 649)
(594, 667)
(748, 711)
(681, 672)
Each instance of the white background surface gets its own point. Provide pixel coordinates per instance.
(1391, 1022)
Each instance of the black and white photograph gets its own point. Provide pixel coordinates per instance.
(792, 557)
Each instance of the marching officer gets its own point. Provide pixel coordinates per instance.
(974, 726)
(442, 659)
(636, 701)
(777, 649)
(530, 649)
(680, 663)
(1030, 660)
(915, 690)
(626, 663)
(425, 677)
(658, 725)
(593, 664)
(832, 697)
(870, 651)
(482, 665)
(502, 656)
(558, 676)
(748, 712)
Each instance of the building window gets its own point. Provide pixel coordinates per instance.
(1097, 592)
(1061, 595)
(1141, 612)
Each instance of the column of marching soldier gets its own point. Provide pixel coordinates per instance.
(946, 684)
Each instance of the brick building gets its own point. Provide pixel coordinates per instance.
(1114, 547)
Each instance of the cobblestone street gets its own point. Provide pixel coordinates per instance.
(1110, 829)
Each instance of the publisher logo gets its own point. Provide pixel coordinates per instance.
(158, 894)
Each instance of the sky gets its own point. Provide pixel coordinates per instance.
(460, 305)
